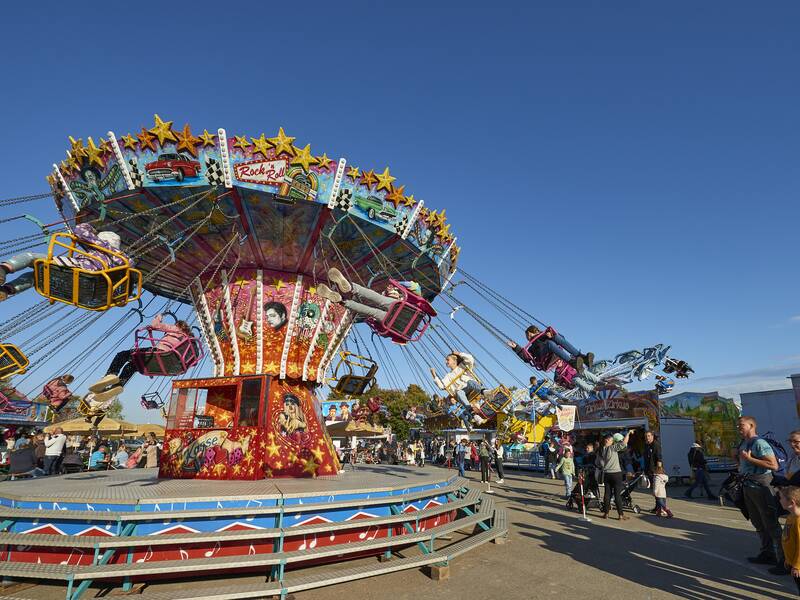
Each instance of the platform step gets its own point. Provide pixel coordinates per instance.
(136, 516)
(64, 572)
(104, 542)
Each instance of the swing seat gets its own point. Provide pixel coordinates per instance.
(352, 383)
(407, 319)
(85, 409)
(93, 290)
(55, 394)
(152, 401)
(175, 359)
(498, 398)
(7, 408)
(12, 361)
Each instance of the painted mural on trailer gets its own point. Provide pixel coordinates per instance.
(714, 419)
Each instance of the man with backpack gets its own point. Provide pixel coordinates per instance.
(697, 462)
(757, 461)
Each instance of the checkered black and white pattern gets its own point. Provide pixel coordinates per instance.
(344, 199)
(401, 224)
(214, 172)
(136, 175)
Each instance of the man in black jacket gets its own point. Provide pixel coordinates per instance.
(652, 459)
(697, 461)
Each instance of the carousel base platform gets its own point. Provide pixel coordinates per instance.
(126, 528)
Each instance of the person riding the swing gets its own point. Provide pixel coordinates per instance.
(86, 234)
(57, 392)
(122, 367)
(362, 300)
(459, 383)
(548, 344)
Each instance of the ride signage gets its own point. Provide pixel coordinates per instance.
(265, 172)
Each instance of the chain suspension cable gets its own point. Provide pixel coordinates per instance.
(21, 199)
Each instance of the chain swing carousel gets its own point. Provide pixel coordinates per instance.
(246, 232)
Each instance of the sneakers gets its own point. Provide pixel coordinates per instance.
(323, 291)
(104, 383)
(109, 394)
(500, 481)
(762, 559)
(335, 275)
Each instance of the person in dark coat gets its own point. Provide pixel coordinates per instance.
(697, 461)
(652, 459)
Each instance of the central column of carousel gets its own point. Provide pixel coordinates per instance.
(270, 337)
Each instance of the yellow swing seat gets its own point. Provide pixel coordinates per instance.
(92, 290)
(12, 361)
(351, 383)
(85, 409)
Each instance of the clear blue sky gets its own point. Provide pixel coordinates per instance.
(627, 171)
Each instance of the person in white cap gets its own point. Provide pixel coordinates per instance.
(697, 461)
(93, 260)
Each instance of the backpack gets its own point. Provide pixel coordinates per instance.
(779, 451)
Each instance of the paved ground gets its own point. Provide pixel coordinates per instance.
(700, 555)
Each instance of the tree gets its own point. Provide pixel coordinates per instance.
(115, 410)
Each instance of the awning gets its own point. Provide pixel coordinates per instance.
(613, 424)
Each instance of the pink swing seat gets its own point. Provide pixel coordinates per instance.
(564, 372)
(175, 359)
(407, 319)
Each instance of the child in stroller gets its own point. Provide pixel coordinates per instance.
(591, 493)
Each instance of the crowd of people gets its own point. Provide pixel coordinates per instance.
(36, 453)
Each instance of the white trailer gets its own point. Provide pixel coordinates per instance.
(676, 437)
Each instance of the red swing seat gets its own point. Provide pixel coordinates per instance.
(177, 358)
(6, 407)
(407, 319)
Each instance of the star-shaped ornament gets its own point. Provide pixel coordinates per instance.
(385, 180)
(304, 158)
(93, 153)
(261, 145)
(208, 138)
(282, 143)
(395, 196)
(409, 200)
(368, 178)
(278, 284)
(129, 142)
(163, 131)
(323, 162)
(353, 173)
(146, 140)
(187, 141)
(241, 142)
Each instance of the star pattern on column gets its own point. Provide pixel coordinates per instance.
(163, 131)
(385, 180)
(282, 143)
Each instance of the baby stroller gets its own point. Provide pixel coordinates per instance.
(627, 490)
(591, 492)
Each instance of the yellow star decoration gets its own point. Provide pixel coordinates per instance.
(271, 367)
(93, 153)
(409, 200)
(304, 158)
(129, 142)
(368, 178)
(247, 367)
(278, 284)
(139, 205)
(317, 452)
(323, 162)
(440, 218)
(311, 467)
(219, 469)
(146, 140)
(396, 195)
(278, 464)
(65, 168)
(268, 472)
(163, 131)
(282, 143)
(208, 138)
(353, 173)
(444, 232)
(430, 217)
(385, 180)
(292, 458)
(272, 448)
(72, 163)
(187, 141)
(77, 148)
(241, 142)
(261, 145)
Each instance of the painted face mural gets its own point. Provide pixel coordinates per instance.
(275, 314)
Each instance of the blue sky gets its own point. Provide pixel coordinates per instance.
(627, 171)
